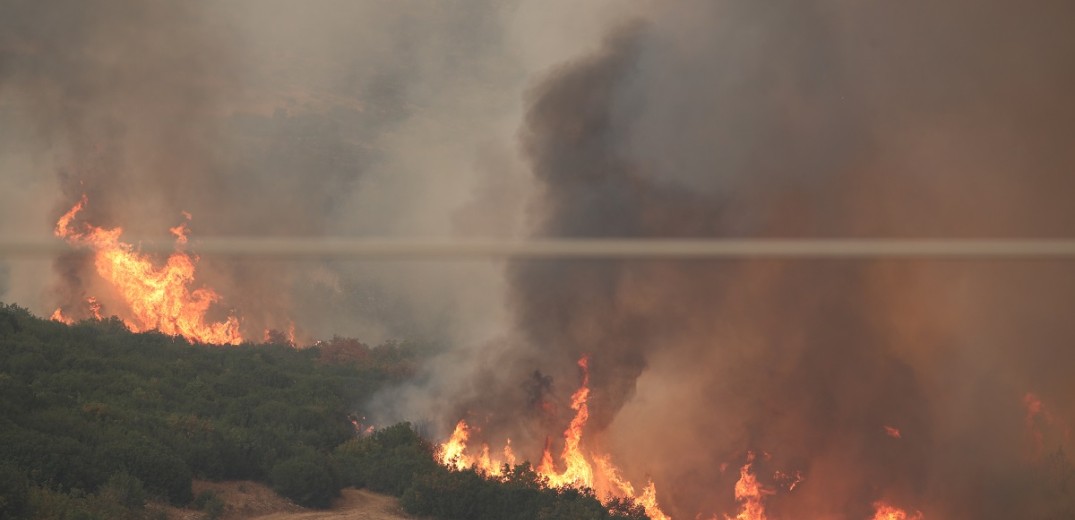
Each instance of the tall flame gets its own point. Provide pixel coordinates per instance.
(158, 298)
(577, 471)
(453, 452)
(749, 493)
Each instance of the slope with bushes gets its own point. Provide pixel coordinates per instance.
(95, 420)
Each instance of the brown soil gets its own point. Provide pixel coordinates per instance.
(246, 500)
(355, 504)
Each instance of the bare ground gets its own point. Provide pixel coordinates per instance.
(245, 500)
(355, 504)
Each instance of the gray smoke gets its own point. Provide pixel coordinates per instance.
(268, 118)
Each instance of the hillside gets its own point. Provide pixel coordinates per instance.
(96, 422)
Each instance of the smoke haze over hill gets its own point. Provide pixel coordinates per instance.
(553, 119)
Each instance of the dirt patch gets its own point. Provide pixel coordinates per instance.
(354, 504)
(246, 500)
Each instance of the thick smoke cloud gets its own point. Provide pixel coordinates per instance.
(811, 120)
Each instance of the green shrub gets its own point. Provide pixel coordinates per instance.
(308, 479)
(211, 504)
(386, 461)
(125, 489)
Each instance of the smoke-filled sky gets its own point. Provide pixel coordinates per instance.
(605, 119)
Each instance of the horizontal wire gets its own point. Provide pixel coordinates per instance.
(345, 247)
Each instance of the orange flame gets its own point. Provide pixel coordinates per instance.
(180, 233)
(883, 511)
(57, 315)
(453, 452)
(578, 471)
(95, 307)
(602, 473)
(509, 454)
(893, 432)
(92, 305)
(648, 498)
(648, 501)
(181, 230)
(284, 337)
(158, 298)
(749, 493)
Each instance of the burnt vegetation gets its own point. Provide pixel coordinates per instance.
(97, 421)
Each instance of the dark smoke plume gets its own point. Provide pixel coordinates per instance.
(795, 119)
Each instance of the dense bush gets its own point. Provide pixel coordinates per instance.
(80, 404)
(125, 489)
(308, 479)
(210, 503)
(520, 495)
(95, 420)
(386, 461)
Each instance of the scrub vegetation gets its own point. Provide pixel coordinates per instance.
(96, 421)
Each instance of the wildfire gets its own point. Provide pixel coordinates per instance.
(884, 511)
(95, 307)
(578, 470)
(749, 493)
(158, 298)
(598, 472)
(57, 315)
(278, 336)
(453, 452)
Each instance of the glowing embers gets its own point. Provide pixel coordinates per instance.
(157, 298)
